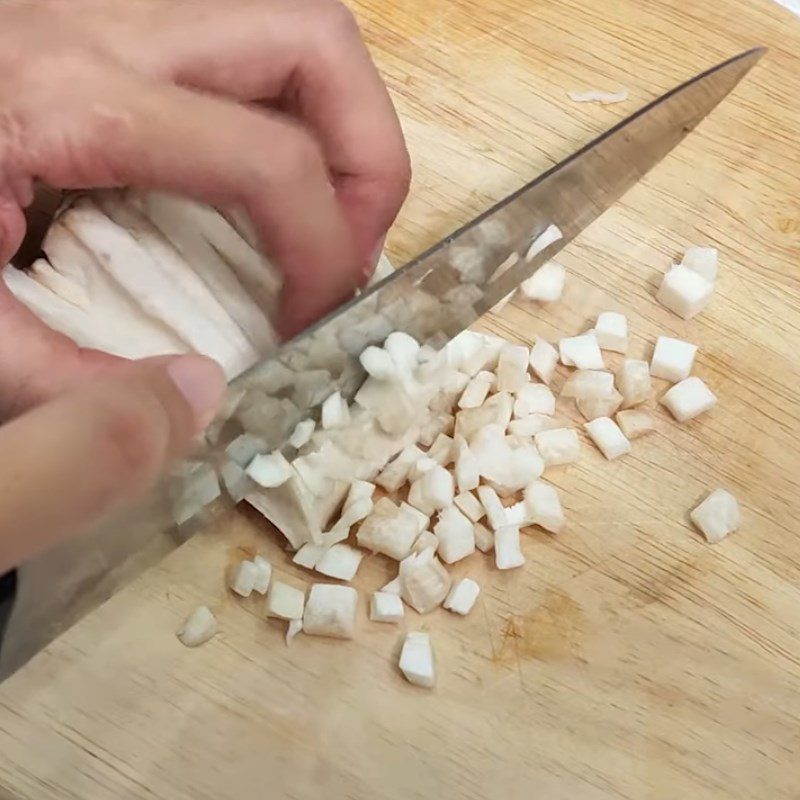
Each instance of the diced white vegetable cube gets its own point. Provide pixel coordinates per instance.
(335, 413)
(378, 363)
(544, 506)
(462, 596)
(331, 611)
(552, 233)
(385, 607)
(507, 553)
(393, 587)
(263, 574)
(432, 491)
(198, 628)
(309, 554)
(531, 425)
(534, 398)
(416, 660)
(426, 540)
(242, 578)
(593, 406)
(467, 468)
(269, 471)
(424, 582)
(292, 629)
(495, 513)
(581, 352)
(519, 515)
(420, 520)
(634, 423)
(495, 411)
(454, 532)
(403, 349)
(702, 260)
(441, 451)
(484, 538)
(546, 284)
(611, 441)
(523, 465)
(543, 360)
(359, 490)
(284, 601)
(688, 399)
(672, 359)
(302, 433)
(558, 446)
(470, 506)
(611, 330)
(389, 530)
(512, 367)
(717, 516)
(684, 292)
(477, 390)
(396, 472)
(340, 561)
(588, 381)
(633, 382)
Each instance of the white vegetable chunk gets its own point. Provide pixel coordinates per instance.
(198, 628)
(351, 513)
(594, 96)
(593, 406)
(543, 360)
(635, 423)
(378, 364)
(454, 532)
(496, 410)
(672, 359)
(425, 541)
(611, 330)
(335, 413)
(470, 506)
(467, 468)
(702, 260)
(507, 553)
(396, 472)
(688, 399)
(552, 233)
(393, 587)
(435, 424)
(519, 515)
(242, 578)
(531, 425)
(588, 382)
(544, 506)
(477, 390)
(581, 351)
(534, 398)
(611, 441)
(284, 601)
(264, 574)
(421, 520)
(403, 349)
(294, 627)
(270, 471)
(302, 433)
(684, 292)
(495, 513)
(462, 597)
(717, 516)
(633, 382)
(340, 561)
(432, 491)
(424, 582)
(385, 607)
(389, 530)
(512, 368)
(416, 660)
(441, 451)
(484, 538)
(331, 611)
(546, 284)
(558, 446)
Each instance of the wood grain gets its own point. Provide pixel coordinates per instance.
(628, 659)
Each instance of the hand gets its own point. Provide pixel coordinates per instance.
(270, 105)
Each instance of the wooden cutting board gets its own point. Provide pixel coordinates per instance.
(627, 659)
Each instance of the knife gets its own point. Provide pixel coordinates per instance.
(448, 287)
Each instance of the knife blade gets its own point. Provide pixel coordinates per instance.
(448, 287)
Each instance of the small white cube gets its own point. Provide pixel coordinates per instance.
(331, 611)
(688, 399)
(512, 368)
(534, 398)
(454, 532)
(264, 569)
(340, 561)
(386, 607)
(588, 382)
(531, 425)
(634, 423)
(702, 260)
(633, 382)
(242, 578)
(593, 406)
(582, 352)
(462, 596)
(335, 413)
(416, 660)
(558, 446)
(717, 516)
(672, 359)
(198, 628)
(611, 330)
(543, 360)
(484, 538)
(507, 553)
(470, 506)
(544, 505)
(476, 391)
(495, 513)
(284, 601)
(546, 284)
(270, 470)
(611, 441)
(685, 292)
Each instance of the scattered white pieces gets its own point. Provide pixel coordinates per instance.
(416, 660)
(424, 582)
(270, 471)
(462, 596)
(581, 352)
(302, 433)
(558, 446)
(385, 607)
(633, 381)
(552, 233)
(688, 399)
(470, 506)
(543, 360)
(454, 532)
(512, 367)
(390, 530)
(703, 260)
(335, 413)
(717, 516)
(546, 284)
(495, 513)
(292, 629)
(672, 359)
(198, 628)
(611, 441)
(484, 538)
(331, 611)
(684, 292)
(611, 331)
(544, 506)
(593, 406)
(595, 96)
(477, 390)
(284, 601)
(534, 398)
(432, 491)
(635, 423)
(263, 576)
(531, 425)
(507, 553)
(242, 578)
(588, 382)
(340, 561)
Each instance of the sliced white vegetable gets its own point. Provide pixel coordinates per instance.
(588, 382)
(454, 532)
(331, 611)
(534, 398)
(558, 446)
(544, 506)
(634, 423)
(198, 628)
(432, 491)
(435, 424)
(593, 406)
(470, 506)
(543, 360)
(242, 578)
(378, 363)
(264, 574)
(717, 516)
(495, 411)
(495, 513)
(672, 359)
(425, 541)
(421, 520)
(512, 368)
(581, 351)
(359, 491)
(484, 357)
(309, 555)
(524, 465)
(335, 413)
(270, 471)
(477, 390)
(302, 433)
(441, 451)
(424, 582)
(385, 607)
(393, 587)
(546, 284)
(284, 601)
(352, 512)
(340, 561)
(462, 596)
(611, 330)
(519, 515)
(396, 472)
(688, 399)
(484, 538)
(531, 425)
(552, 233)
(507, 553)
(702, 260)
(403, 349)
(416, 660)
(684, 292)
(389, 530)
(608, 437)
(294, 627)
(594, 96)
(633, 382)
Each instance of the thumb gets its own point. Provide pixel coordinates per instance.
(85, 454)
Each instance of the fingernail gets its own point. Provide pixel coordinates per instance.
(202, 383)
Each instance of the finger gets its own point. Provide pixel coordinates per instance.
(72, 461)
(113, 128)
